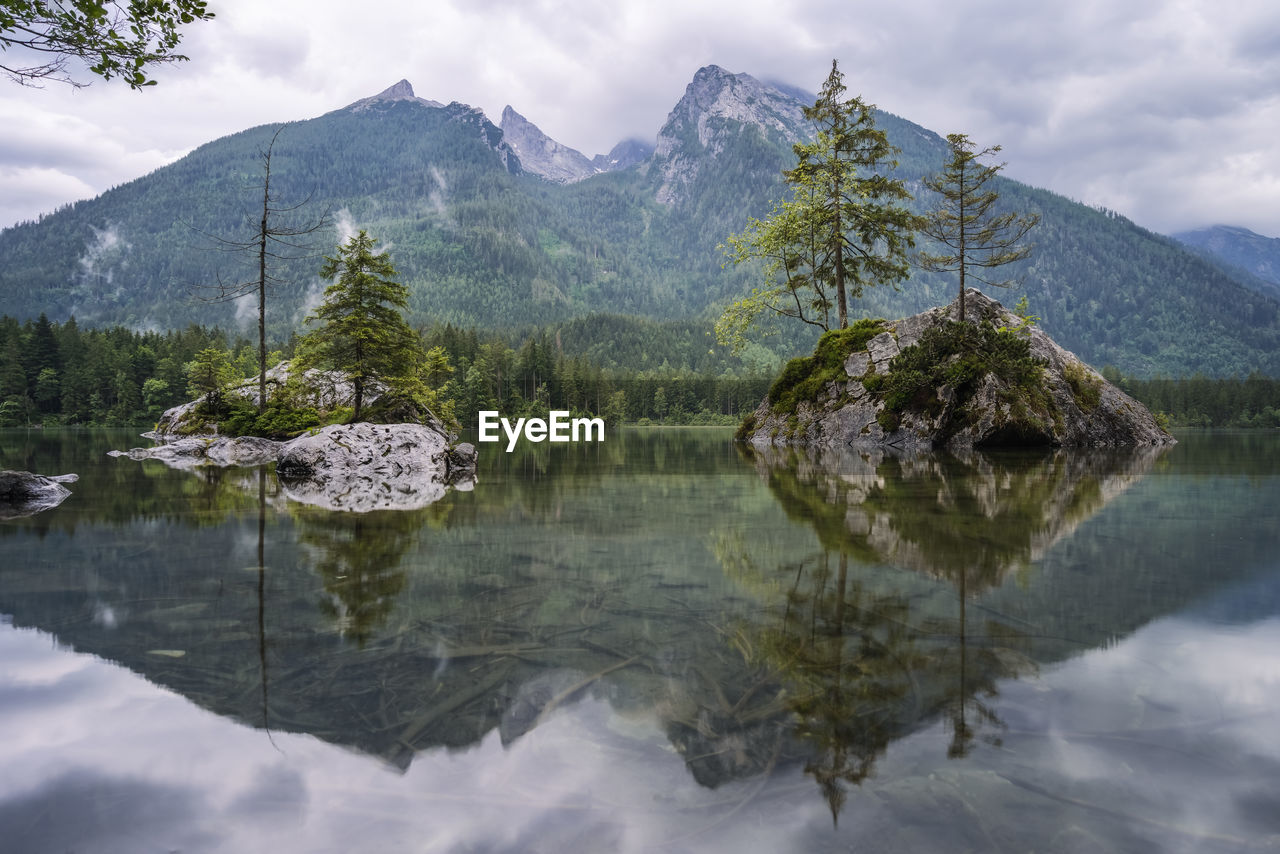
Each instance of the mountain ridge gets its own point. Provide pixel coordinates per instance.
(484, 241)
(1240, 251)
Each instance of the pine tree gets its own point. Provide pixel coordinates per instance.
(209, 374)
(865, 230)
(971, 234)
(844, 227)
(362, 332)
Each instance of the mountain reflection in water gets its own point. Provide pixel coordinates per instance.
(801, 630)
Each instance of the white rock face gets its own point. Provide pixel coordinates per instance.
(714, 106)
(542, 155)
(363, 467)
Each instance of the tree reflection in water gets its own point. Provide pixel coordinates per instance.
(358, 558)
(865, 655)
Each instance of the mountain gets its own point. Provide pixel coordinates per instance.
(558, 163)
(624, 155)
(484, 236)
(542, 155)
(402, 91)
(1240, 250)
(710, 120)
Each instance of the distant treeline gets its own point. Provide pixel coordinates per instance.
(54, 373)
(1200, 401)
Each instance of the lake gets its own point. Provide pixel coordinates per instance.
(662, 642)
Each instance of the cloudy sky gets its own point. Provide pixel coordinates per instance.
(1167, 112)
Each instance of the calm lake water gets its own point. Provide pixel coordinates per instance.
(658, 643)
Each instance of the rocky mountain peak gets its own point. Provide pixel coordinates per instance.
(716, 106)
(396, 92)
(401, 91)
(542, 155)
(625, 154)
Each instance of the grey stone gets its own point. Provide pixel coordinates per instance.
(25, 494)
(363, 467)
(1056, 418)
(857, 363)
(881, 350)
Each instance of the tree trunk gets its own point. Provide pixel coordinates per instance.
(843, 314)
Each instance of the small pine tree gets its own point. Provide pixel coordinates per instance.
(362, 332)
(845, 227)
(208, 376)
(971, 235)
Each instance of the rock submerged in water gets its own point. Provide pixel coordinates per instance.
(1077, 407)
(363, 467)
(356, 467)
(194, 451)
(25, 494)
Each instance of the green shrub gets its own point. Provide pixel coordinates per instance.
(835, 346)
(959, 355)
(803, 379)
(1085, 387)
(795, 372)
(278, 421)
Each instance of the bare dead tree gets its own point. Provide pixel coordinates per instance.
(277, 236)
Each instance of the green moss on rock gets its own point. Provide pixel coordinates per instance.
(803, 379)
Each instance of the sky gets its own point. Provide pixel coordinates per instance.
(1166, 112)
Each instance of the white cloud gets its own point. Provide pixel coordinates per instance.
(1162, 110)
(26, 192)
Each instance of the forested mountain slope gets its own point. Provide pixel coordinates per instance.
(1245, 254)
(484, 242)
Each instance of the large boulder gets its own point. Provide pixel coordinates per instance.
(25, 494)
(1071, 405)
(363, 467)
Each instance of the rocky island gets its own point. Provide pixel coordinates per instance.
(927, 381)
(404, 461)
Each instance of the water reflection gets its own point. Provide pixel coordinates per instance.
(864, 660)
(358, 558)
(971, 519)
(705, 638)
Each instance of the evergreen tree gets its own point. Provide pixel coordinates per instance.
(971, 234)
(209, 374)
(845, 227)
(865, 230)
(362, 332)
